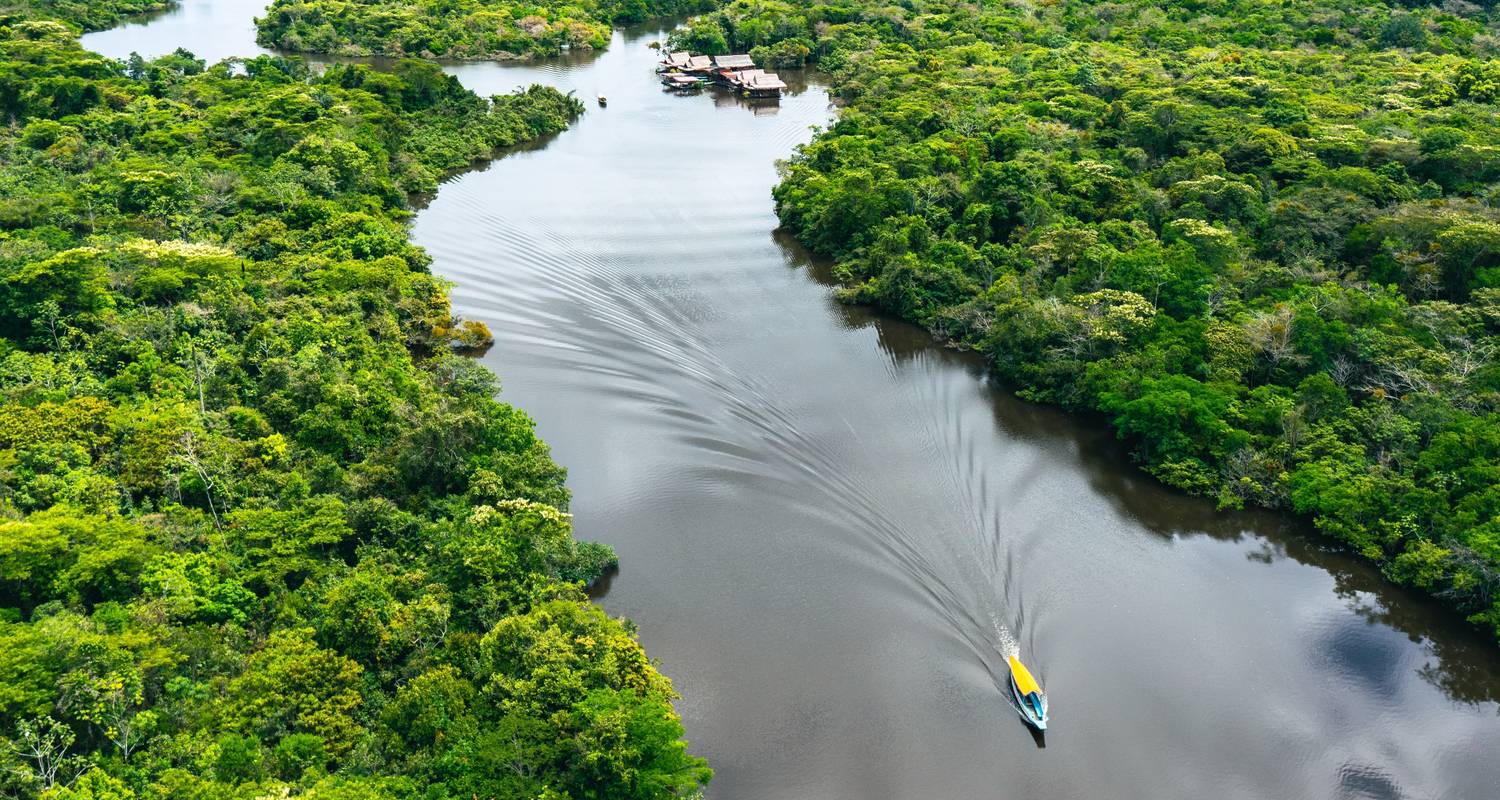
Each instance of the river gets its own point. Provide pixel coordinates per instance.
(827, 526)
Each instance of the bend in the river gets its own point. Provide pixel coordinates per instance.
(829, 528)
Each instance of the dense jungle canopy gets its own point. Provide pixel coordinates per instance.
(1260, 239)
(459, 29)
(264, 530)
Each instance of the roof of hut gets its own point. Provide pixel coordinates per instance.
(766, 80)
(733, 62)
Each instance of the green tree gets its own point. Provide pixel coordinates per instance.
(293, 686)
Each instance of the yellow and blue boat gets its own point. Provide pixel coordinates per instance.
(1031, 701)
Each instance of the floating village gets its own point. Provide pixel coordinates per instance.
(684, 72)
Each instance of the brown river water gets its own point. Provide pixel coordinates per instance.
(828, 527)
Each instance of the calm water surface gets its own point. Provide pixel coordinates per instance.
(827, 527)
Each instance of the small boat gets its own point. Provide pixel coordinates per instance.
(1030, 699)
(603, 101)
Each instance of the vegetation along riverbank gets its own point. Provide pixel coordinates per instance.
(262, 531)
(1260, 241)
(469, 29)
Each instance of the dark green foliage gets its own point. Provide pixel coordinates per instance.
(1260, 240)
(262, 532)
(586, 562)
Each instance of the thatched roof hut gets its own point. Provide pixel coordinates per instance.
(733, 62)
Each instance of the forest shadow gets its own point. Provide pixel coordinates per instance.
(1465, 665)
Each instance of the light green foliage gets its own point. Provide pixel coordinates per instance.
(92, 785)
(293, 686)
(259, 523)
(559, 652)
(289, 546)
(194, 587)
(381, 615)
(634, 749)
(89, 16)
(469, 29)
(61, 555)
(1260, 239)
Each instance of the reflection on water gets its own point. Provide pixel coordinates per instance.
(212, 29)
(828, 527)
(827, 524)
(1464, 665)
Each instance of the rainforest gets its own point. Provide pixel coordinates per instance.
(265, 526)
(270, 528)
(1259, 241)
(469, 29)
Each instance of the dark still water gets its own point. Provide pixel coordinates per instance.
(829, 529)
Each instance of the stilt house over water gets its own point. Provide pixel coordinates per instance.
(733, 62)
(737, 72)
(759, 83)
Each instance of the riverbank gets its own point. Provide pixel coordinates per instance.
(265, 530)
(1260, 250)
(821, 516)
(861, 507)
(88, 16)
(469, 30)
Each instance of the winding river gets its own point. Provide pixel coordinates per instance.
(828, 527)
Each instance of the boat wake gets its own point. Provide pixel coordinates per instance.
(986, 556)
(1005, 641)
(632, 315)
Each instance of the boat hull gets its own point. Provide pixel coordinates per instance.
(1027, 711)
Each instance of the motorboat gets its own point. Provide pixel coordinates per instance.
(1031, 701)
(603, 101)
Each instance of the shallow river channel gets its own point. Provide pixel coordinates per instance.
(828, 526)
